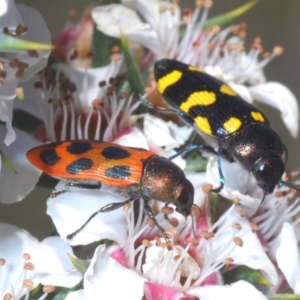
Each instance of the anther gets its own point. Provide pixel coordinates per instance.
(237, 226)
(236, 200)
(207, 188)
(102, 83)
(193, 241)
(27, 283)
(2, 261)
(174, 222)
(126, 206)
(238, 241)
(206, 234)
(240, 212)
(26, 256)
(48, 289)
(167, 210)
(146, 243)
(278, 50)
(228, 261)
(32, 53)
(254, 227)
(115, 49)
(29, 266)
(7, 296)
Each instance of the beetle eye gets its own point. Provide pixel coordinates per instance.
(262, 173)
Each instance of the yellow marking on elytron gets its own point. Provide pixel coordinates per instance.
(203, 125)
(257, 116)
(232, 125)
(192, 68)
(168, 80)
(198, 98)
(226, 89)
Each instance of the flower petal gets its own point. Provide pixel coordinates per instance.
(15, 186)
(287, 255)
(71, 209)
(236, 291)
(238, 183)
(115, 19)
(279, 96)
(154, 291)
(251, 253)
(105, 271)
(49, 258)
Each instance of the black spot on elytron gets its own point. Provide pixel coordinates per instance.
(119, 172)
(79, 165)
(49, 157)
(115, 153)
(79, 147)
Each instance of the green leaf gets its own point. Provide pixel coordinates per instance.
(81, 265)
(63, 293)
(7, 162)
(246, 273)
(284, 297)
(13, 43)
(102, 45)
(133, 71)
(226, 18)
(195, 162)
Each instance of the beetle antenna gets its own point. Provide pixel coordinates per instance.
(290, 185)
(263, 199)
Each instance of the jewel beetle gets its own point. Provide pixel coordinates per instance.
(231, 127)
(127, 171)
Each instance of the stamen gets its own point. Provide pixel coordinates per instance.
(2, 262)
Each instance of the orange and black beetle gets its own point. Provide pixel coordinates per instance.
(127, 171)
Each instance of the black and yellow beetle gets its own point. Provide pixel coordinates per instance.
(232, 128)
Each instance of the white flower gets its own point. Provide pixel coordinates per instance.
(20, 65)
(18, 181)
(26, 263)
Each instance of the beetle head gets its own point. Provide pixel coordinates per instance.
(267, 172)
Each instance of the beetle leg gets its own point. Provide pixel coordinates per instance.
(149, 212)
(222, 180)
(106, 208)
